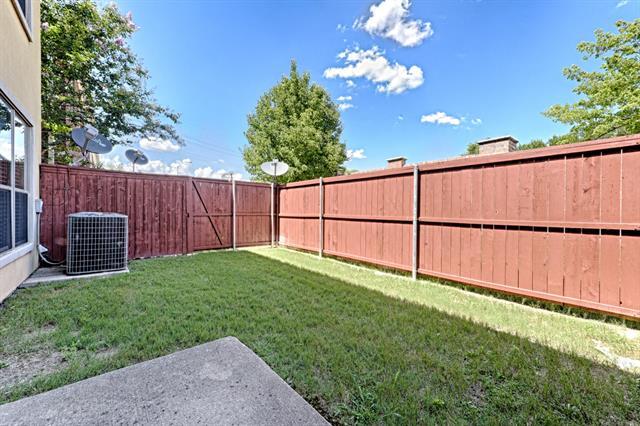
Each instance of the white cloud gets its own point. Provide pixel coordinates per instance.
(204, 172)
(342, 28)
(350, 83)
(178, 167)
(389, 19)
(400, 117)
(155, 166)
(373, 66)
(114, 163)
(343, 102)
(356, 154)
(440, 118)
(157, 144)
(622, 3)
(208, 172)
(476, 121)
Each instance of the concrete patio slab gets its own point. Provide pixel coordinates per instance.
(221, 382)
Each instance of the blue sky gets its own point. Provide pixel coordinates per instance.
(491, 67)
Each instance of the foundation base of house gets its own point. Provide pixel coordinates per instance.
(58, 273)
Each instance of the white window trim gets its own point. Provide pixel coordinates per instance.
(16, 252)
(26, 19)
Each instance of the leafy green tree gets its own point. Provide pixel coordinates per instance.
(472, 149)
(298, 123)
(563, 139)
(533, 144)
(91, 76)
(610, 102)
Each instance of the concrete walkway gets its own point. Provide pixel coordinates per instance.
(219, 383)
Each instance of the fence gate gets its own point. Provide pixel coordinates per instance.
(210, 213)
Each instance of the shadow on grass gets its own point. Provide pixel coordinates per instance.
(357, 355)
(527, 301)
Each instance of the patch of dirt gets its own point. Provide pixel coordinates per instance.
(21, 368)
(45, 329)
(105, 353)
(476, 394)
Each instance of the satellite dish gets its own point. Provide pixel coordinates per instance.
(274, 168)
(89, 140)
(136, 157)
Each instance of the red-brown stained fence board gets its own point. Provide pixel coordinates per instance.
(511, 267)
(610, 187)
(476, 253)
(486, 253)
(572, 265)
(499, 255)
(446, 249)
(610, 269)
(455, 250)
(525, 258)
(590, 273)
(555, 272)
(556, 180)
(560, 223)
(630, 285)
(166, 214)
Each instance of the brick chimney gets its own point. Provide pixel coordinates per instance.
(396, 162)
(498, 145)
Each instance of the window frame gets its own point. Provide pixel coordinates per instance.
(16, 251)
(26, 17)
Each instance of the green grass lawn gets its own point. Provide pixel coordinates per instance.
(360, 345)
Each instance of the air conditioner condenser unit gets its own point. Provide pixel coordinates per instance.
(96, 242)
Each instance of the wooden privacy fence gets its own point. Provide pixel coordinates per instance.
(559, 224)
(167, 214)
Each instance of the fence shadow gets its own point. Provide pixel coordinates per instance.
(574, 311)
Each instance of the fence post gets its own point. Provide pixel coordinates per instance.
(188, 201)
(273, 229)
(320, 220)
(233, 206)
(416, 185)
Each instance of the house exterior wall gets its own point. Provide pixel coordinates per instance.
(20, 86)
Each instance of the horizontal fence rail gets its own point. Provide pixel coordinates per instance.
(560, 224)
(167, 214)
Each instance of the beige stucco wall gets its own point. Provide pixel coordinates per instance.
(14, 273)
(20, 83)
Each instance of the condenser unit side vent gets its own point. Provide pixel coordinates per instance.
(96, 242)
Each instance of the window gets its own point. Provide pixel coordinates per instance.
(22, 4)
(14, 179)
(23, 8)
